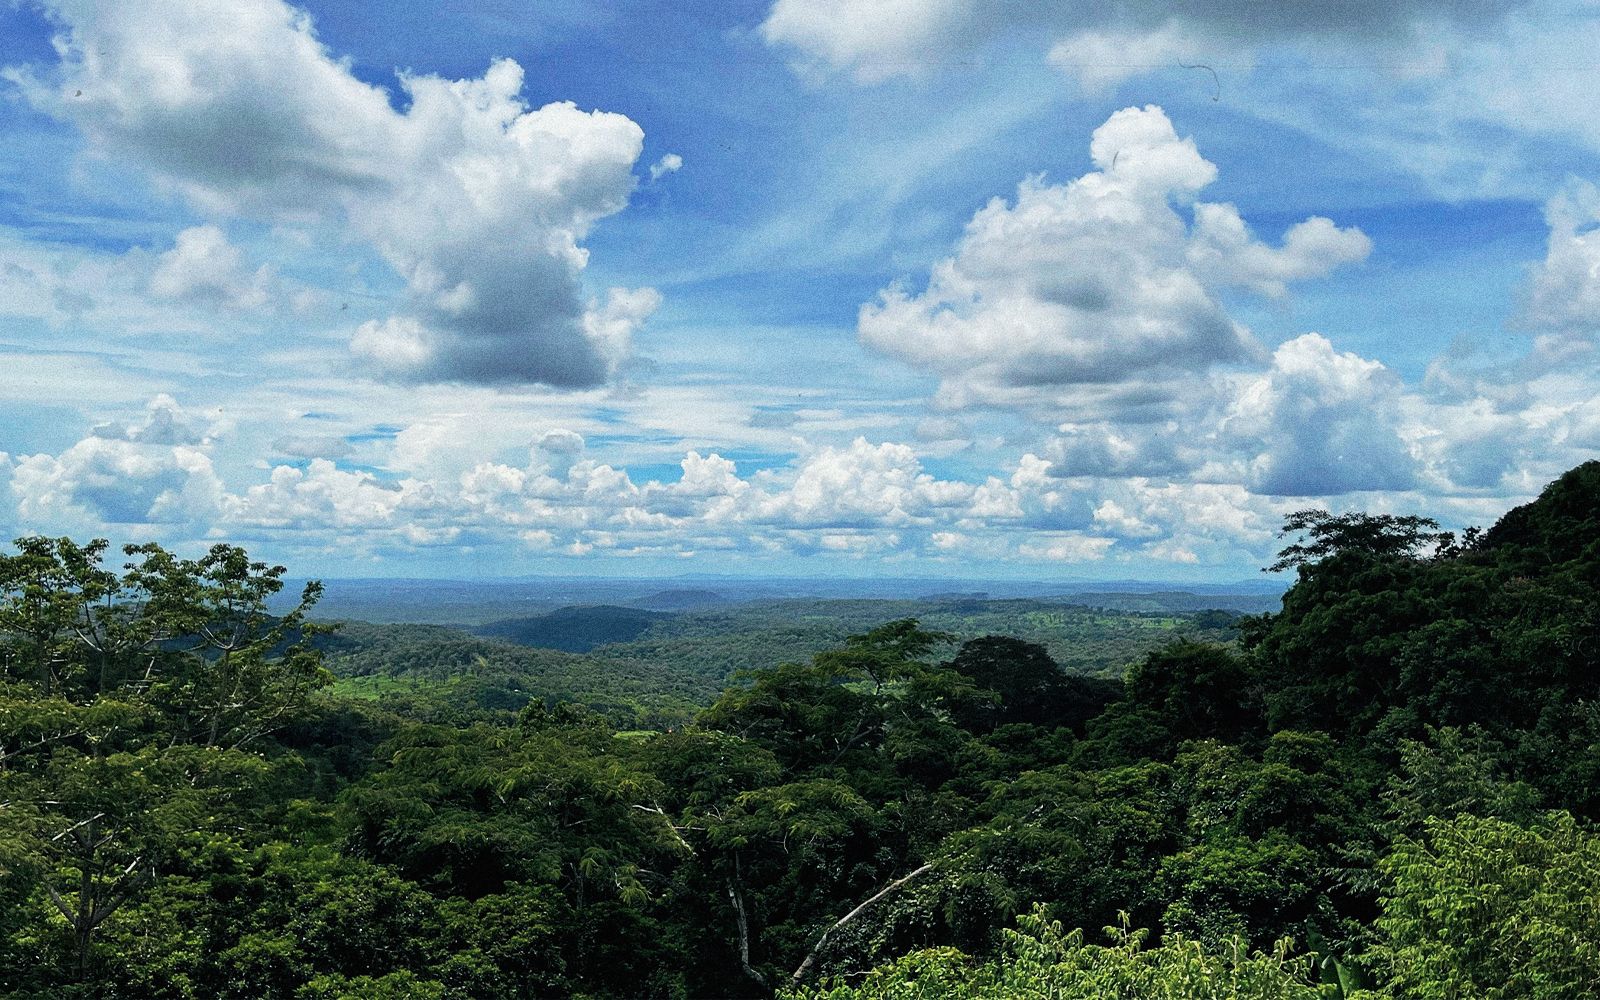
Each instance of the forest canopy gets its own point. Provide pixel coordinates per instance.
(1386, 788)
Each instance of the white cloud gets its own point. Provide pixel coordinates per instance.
(1101, 44)
(850, 501)
(112, 481)
(73, 286)
(1033, 497)
(1506, 428)
(668, 164)
(203, 266)
(1472, 107)
(395, 346)
(1067, 548)
(1318, 422)
(1171, 552)
(1106, 450)
(1477, 445)
(1113, 519)
(936, 429)
(164, 423)
(310, 446)
(863, 484)
(1564, 293)
(610, 326)
(491, 483)
(555, 452)
(1326, 423)
(1094, 299)
(478, 202)
(1476, 99)
(875, 41)
(324, 496)
(1102, 59)
(709, 476)
(1224, 253)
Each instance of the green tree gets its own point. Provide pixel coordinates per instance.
(247, 671)
(1481, 907)
(1372, 536)
(1042, 961)
(1027, 686)
(55, 604)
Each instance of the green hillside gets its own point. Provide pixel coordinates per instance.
(576, 629)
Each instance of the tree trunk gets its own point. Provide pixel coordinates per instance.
(736, 895)
(85, 938)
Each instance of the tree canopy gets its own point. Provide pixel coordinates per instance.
(1385, 789)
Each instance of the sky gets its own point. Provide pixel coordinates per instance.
(921, 288)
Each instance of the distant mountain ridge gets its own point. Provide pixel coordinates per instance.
(575, 629)
(469, 603)
(680, 599)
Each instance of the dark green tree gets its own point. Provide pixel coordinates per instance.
(1372, 536)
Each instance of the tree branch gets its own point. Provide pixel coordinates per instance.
(61, 904)
(816, 949)
(75, 826)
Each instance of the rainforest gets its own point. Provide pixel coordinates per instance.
(1385, 787)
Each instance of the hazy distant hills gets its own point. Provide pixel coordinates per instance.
(712, 631)
(1181, 601)
(1099, 636)
(468, 603)
(685, 599)
(575, 629)
(650, 669)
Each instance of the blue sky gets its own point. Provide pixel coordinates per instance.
(913, 287)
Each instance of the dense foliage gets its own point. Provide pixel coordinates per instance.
(1040, 961)
(1387, 788)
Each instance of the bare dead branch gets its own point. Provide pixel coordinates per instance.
(816, 949)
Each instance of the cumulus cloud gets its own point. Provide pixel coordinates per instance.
(396, 346)
(117, 482)
(560, 441)
(1100, 43)
(861, 484)
(1327, 423)
(708, 476)
(555, 452)
(863, 499)
(610, 325)
(322, 494)
(1091, 297)
(477, 201)
(203, 266)
(164, 423)
(1223, 252)
(1478, 445)
(154, 469)
(1032, 497)
(1107, 450)
(1316, 422)
(1066, 548)
(1564, 290)
(875, 41)
(1507, 427)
